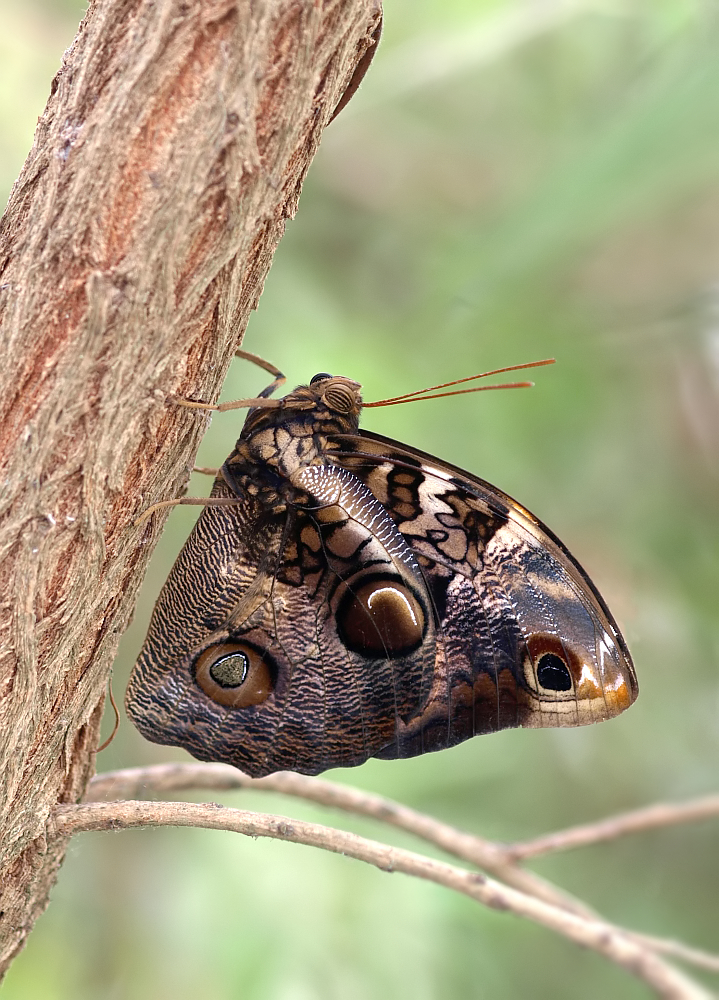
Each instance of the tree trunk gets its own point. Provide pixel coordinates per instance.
(135, 243)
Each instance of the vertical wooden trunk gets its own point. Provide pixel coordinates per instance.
(135, 243)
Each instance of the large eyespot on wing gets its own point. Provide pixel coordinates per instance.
(565, 684)
(381, 618)
(235, 674)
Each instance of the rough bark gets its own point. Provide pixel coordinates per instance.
(135, 243)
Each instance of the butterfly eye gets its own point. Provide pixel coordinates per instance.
(553, 673)
(340, 398)
(234, 674)
(381, 618)
(319, 377)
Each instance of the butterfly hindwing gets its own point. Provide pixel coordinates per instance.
(340, 684)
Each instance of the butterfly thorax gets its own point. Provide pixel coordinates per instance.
(276, 443)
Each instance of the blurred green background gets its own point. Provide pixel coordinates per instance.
(514, 181)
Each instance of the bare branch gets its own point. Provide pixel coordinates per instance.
(602, 937)
(163, 778)
(677, 949)
(491, 856)
(650, 818)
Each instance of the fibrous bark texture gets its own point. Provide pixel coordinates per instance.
(135, 243)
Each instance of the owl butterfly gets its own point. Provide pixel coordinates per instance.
(343, 596)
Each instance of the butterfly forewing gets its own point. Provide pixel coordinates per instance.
(530, 603)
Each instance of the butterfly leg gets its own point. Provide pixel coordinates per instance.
(189, 501)
(279, 377)
(205, 470)
(238, 404)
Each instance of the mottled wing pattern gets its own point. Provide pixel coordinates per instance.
(510, 601)
(396, 606)
(284, 590)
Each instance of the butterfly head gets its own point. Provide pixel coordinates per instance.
(329, 404)
(332, 398)
(337, 393)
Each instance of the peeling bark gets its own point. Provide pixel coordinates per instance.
(134, 245)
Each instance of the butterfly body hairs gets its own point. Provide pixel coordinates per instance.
(344, 596)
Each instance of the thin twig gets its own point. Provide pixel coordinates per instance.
(491, 856)
(163, 778)
(598, 935)
(677, 949)
(637, 821)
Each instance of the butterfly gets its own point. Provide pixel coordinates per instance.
(343, 596)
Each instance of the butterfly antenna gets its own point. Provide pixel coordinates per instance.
(419, 394)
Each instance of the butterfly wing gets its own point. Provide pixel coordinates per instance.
(406, 607)
(301, 640)
(523, 638)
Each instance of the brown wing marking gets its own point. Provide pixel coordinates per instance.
(516, 564)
